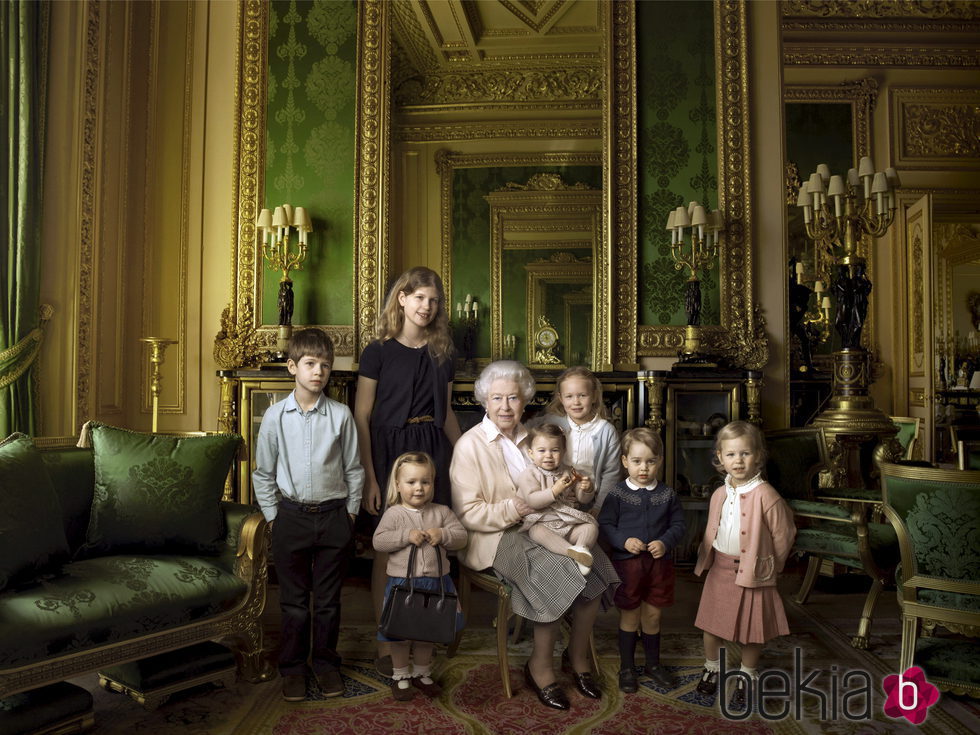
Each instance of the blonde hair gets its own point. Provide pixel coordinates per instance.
(392, 497)
(642, 435)
(555, 405)
(737, 430)
(391, 320)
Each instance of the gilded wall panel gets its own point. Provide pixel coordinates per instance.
(937, 128)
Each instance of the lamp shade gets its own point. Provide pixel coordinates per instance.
(301, 219)
(279, 218)
(893, 181)
(699, 217)
(264, 220)
(288, 211)
(866, 167)
(815, 184)
(670, 219)
(824, 170)
(836, 187)
(803, 198)
(880, 183)
(717, 222)
(852, 177)
(681, 218)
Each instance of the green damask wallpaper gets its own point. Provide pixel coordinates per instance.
(310, 150)
(471, 242)
(677, 142)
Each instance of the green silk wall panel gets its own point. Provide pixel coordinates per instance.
(471, 257)
(310, 150)
(677, 148)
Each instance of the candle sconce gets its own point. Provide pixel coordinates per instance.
(465, 328)
(510, 346)
(697, 255)
(282, 255)
(158, 345)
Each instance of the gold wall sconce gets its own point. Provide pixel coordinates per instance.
(158, 345)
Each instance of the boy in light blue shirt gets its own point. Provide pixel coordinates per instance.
(308, 481)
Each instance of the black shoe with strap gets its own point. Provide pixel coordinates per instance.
(709, 682)
(627, 681)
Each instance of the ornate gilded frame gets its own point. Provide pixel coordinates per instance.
(741, 335)
(243, 339)
(447, 162)
(862, 96)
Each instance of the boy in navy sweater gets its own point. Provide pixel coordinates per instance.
(642, 519)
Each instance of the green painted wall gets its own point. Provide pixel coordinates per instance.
(310, 150)
(677, 142)
(471, 240)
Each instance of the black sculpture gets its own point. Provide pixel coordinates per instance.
(692, 302)
(799, 303)
(285, 303)
(852, 288)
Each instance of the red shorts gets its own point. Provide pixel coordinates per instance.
(644, 579)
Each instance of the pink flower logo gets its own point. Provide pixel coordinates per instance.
(909, 695)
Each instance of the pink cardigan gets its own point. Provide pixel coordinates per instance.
(392, 536)
(767, 533)
(483, 495)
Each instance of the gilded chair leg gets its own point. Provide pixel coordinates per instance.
(909, 625)
(809, 579)
(864, 627)
(503, 612)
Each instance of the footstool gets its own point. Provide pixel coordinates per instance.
(60, 708)
(151, 681)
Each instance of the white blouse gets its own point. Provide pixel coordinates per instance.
(515, 457)
(581, 445)
(730, 525)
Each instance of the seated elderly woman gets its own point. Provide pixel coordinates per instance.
(486, 462)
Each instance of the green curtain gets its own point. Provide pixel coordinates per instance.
(23, 70)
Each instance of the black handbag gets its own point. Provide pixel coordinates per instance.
(419, 615)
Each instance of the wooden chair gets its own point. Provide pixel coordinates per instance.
(936, 515)
(908, 433)
(833, 525)
(468, 578)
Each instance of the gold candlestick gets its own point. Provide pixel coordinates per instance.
(158, 346)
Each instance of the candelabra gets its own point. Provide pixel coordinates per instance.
(697, 254)
(158, 346)
(467, 321)
(283, 255)
(838, 212)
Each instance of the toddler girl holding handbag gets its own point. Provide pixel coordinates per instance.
(414, 528)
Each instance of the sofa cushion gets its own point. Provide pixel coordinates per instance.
(111, 599)
(73, 476)
(31, 532)
(157, 492)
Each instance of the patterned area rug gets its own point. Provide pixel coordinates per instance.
(473, 702)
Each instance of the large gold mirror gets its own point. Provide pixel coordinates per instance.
(566, 94)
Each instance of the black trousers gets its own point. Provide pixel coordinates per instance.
(311, 552)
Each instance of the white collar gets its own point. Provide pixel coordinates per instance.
(633, 486)
(742, 489)
(410, 508)
(587, 426)
(492, 431)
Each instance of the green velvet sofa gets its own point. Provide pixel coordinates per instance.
(88, 610)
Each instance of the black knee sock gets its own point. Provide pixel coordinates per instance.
(627, 647)
(651, 648)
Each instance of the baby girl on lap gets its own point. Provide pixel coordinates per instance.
(552, 488)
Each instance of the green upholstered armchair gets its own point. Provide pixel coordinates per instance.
(908, 433)
(936, 514)
(833, 526)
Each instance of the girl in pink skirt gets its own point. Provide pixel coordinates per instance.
(749, 535)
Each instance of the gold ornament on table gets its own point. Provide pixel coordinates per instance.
(694, 243)
(158, 346)
(285, 256)
(545, 343)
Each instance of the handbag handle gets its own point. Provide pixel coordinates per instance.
(411, 576)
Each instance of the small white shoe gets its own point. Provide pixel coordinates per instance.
(582, 557)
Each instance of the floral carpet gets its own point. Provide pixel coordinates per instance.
(473, 702)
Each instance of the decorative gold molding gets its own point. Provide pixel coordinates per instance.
(566, 81)
(372, 168)
(738, 317)
(433, 132)
(936, 127)
(798, 54)
(862, 9)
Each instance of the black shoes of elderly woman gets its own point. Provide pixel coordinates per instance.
(554, 696)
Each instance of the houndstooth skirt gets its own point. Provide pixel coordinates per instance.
(544, 585)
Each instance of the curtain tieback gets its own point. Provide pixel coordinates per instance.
(16, 359)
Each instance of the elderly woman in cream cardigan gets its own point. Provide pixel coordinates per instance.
(487, 460)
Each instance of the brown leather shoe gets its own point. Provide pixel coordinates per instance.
(429, 690)
(402, 695)
(331, 683)
(294, 687)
